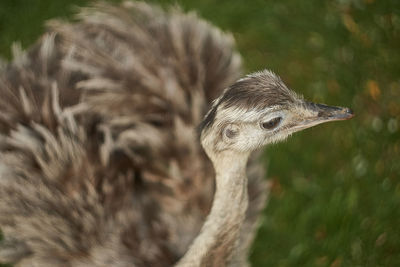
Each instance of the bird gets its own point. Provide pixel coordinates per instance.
(130, 137)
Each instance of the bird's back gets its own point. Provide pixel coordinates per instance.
(100, 162)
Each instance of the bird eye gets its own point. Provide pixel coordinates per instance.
(271, 123)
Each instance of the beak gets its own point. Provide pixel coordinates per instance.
(323, 113)
(329, 113)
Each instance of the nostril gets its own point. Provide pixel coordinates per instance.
(323, 113)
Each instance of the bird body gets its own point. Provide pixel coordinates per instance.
(101, 156)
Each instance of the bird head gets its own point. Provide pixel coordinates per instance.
(260, 109)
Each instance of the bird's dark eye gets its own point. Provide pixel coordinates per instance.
(271, 124)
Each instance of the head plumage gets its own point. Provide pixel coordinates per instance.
(256, 91)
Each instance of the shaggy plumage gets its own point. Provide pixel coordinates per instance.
(100, 162)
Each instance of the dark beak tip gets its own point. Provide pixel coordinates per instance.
(349, 112)
(342, 114)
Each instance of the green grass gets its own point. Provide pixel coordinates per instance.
(335, 198)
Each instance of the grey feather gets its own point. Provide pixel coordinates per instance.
(100, 162)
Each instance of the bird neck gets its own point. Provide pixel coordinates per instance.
(220, 232)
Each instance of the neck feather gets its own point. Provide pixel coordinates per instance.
(218, 236)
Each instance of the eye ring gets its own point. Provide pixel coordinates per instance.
(271, 124)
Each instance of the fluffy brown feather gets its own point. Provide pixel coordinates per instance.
(100, 163)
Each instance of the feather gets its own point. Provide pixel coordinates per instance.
(100, 162)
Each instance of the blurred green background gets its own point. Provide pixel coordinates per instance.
(335, 197)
